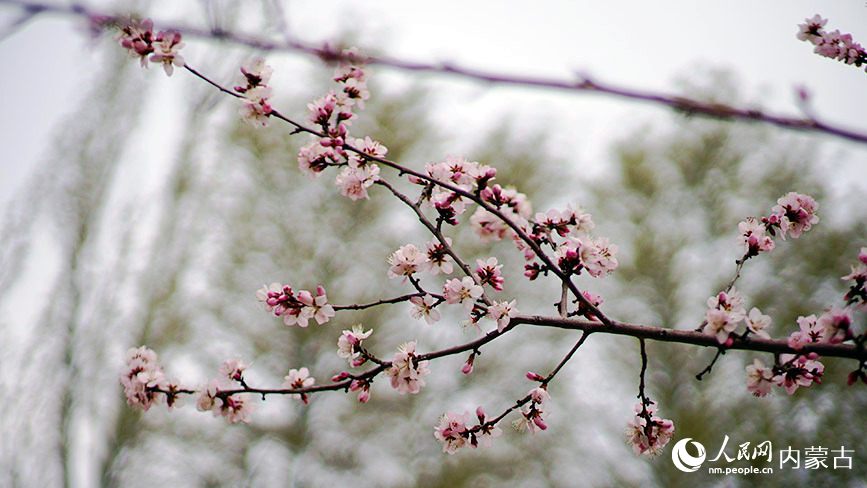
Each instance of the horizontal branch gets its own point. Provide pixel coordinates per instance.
(384, 301)
(582, 84)
(693, 337)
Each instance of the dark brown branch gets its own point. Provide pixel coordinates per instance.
(692, 337)
(384, 301)
(581, 85)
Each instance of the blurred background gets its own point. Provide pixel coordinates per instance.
(138, 209)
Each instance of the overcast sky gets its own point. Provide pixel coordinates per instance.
(642, 45)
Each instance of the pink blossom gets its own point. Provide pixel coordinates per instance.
(367, 146)
(730, 302)
(255, 109)
(858, 289)
(488, 226)
(811, 29)
(579, 223)
(661, 432)
(173, 393)
(354, 182)
(236, 408)
(486, 433)
(406, 261)
(141, 377)
(850, 51)
(532, 416)
(796, 213)
(363, 389)
(503, 312)
(322, 311)
(166, 46)
(489, 273)
(314, 158)
(835, 325)
(757, 323)
(423, 307)
(752, 237)
(254, 73)
(438, 258)
(798, 372)
(830, 45)
(464, 291)
(809, 332)
(207, 398)
(720, 323)
(138, 37)
(346, 344)
(406, 371)
(594, 300)
(295, 309)
(759, 378)
(298, 378)
(232, 370)
(452, 431)
(599, 256)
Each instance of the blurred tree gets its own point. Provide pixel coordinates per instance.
(674, 200)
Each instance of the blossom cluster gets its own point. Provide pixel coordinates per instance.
(534, 413)
(831, 44)
(794, 371)
(145, 384)
(857, 294)
(648, 438)
(139, 39)
(333, 113)
(454, 433)
(834, 326)
(253, 86)
(298, 378)
(296, 309)
(793, 214)
(349, 345)
(567, 232)
(468, 176)
(726, 310)
(235, 408)
(513, 205)
(407, 372)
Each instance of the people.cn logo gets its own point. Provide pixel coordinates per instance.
(682, 459)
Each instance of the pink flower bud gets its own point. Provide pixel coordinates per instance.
(356, 385)
(468, 366)
(533, 376)
(480, 413)
(813, 356)
(340, 377)
(320, 290)
(539, 423)
(358, 362)
(364, 396)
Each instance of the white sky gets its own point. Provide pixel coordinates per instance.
(637, 44)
